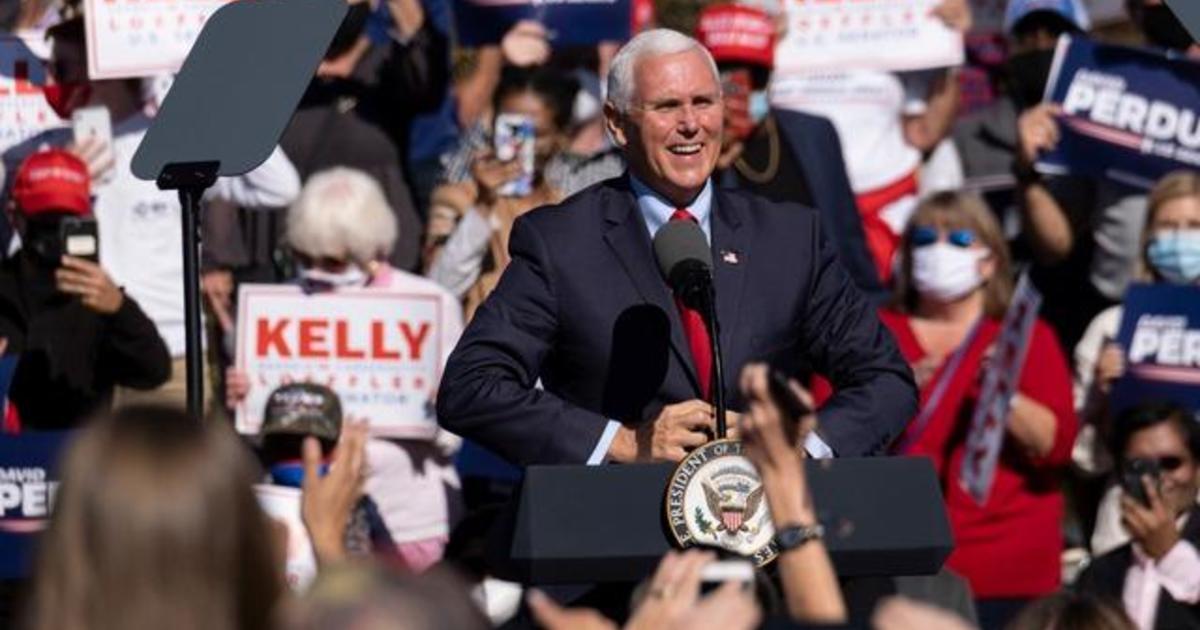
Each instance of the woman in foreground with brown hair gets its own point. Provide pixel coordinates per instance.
(156, 527)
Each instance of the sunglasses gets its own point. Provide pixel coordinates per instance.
(923, 235)
(327, 263)
(1169, 463)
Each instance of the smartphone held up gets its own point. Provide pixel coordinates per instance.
(514, 140)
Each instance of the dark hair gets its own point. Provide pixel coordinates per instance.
(1071, 611)
(557, 90)
(1043, 20)
(1152, 414)
(68, 30)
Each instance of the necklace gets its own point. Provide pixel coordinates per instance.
(767, 174)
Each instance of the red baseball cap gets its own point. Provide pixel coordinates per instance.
(52, 181)
(738, 33)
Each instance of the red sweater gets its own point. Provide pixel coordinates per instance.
(1011, 546)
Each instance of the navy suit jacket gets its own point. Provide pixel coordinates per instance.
(583, 307)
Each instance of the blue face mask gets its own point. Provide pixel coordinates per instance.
(1175, 255)
(759, 106)
(291, 473)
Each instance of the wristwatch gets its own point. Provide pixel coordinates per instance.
(795, 536)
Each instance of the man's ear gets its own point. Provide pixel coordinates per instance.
(614, 123)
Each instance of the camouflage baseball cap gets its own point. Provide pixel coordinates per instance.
(303, 409)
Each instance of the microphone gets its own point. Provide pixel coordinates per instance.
(685, 260)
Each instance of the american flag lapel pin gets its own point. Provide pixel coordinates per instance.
(730, 257)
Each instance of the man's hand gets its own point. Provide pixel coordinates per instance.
(87, 280)
(1152, 527)
(327, 502)
(678, 429)
(1037, 131)
(490, 174)
(526, 44)
(407, 15)
(217, 286)
(777, 455)
(1109, 367)
(955, 13)
(96, 154)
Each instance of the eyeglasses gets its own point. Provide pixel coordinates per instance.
(923, 235)
(327, 263)
(1168, 463)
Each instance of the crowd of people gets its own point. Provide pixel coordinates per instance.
(397, 174)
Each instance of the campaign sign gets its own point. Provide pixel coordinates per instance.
(283, 504)
(28, 483)
(1160, 333)
(1129, 114)
(567, 22)
(138, 38)
(379, 350)
(893, 35)
(23, 109)
(1001, 378)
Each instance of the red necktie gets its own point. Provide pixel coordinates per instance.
(695, 329)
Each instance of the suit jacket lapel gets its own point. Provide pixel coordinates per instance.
(630, 241)
(729, 269)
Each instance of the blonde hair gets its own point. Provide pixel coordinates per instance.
(958, 210)
(156, 526)
(342, 213)
(1175, 185)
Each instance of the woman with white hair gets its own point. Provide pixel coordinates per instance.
(341, 231)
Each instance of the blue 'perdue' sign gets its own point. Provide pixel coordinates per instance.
(1160, 332)
(1129, 114)
(568, 22)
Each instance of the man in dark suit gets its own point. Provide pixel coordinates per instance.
(583, 307)
(1157, 575)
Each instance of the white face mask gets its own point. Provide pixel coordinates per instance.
(946, 272)
(313, 279)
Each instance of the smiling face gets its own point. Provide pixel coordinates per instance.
(671, 132)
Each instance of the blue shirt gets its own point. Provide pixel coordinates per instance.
(656, 210)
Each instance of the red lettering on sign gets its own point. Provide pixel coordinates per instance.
(269, 337)
(414, 341)
(378, 350)
(312, 338)
(342, 335)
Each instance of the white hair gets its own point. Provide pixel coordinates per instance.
(651, 43)
(342, 213)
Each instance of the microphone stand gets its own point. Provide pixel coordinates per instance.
(718, 362)
(702, 295)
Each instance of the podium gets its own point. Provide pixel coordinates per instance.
(591, 524)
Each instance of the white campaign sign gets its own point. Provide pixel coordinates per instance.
(138, 38)
(23, 109)
(893, 35)
(283, 504)
(1001, 378)
(379, 350)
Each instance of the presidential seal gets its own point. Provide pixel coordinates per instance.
(715, 498)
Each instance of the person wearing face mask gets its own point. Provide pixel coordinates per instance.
(357, 110)
(953, 287)
(341, 231)
(1170, 247)
(75, 333)
(138, 224)
(476, 253)
(1155, 574)
(782, 155)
